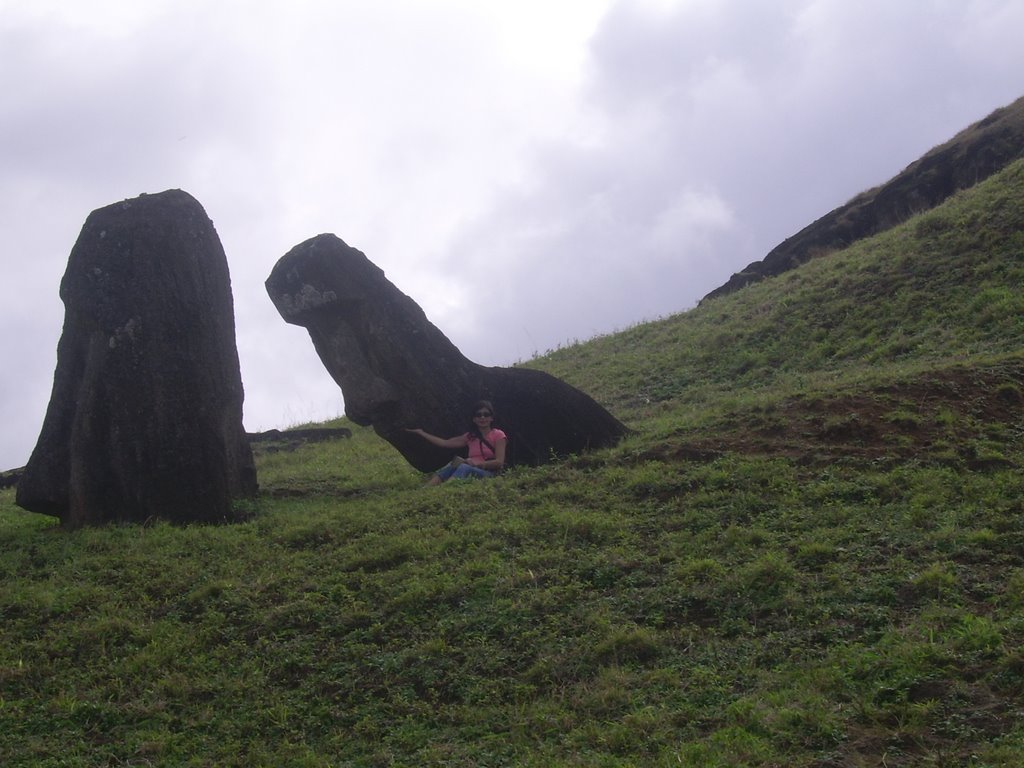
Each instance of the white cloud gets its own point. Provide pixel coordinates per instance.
(688, 221)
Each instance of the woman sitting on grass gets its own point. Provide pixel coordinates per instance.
(486, 447)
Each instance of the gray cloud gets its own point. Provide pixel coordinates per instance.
(520, 205)
(719, 130)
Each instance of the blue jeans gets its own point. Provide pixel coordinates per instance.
(462, 472)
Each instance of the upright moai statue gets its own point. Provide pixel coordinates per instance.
(145, 417)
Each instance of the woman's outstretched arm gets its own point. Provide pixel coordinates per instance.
(459, 441)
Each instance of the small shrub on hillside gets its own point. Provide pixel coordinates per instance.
(935, 581)
(977, 634)
(904, 419)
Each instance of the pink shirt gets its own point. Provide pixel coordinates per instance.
(478, 451)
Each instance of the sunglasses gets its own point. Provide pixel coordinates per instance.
(482, 414)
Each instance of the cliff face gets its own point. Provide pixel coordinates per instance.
(972, 155)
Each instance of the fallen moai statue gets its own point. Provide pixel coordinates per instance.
(145, 418)
(397, 370)
(275, 440)
(311, 435)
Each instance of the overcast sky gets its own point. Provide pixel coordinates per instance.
(531, 172)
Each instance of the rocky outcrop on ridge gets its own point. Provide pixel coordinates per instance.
(971, 156)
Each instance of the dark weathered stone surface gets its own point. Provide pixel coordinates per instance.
(145, 418)
(971, 156)
(397, 370)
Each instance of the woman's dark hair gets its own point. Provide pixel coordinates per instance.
(480, 405)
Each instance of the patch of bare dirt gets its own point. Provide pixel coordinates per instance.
(943, 416)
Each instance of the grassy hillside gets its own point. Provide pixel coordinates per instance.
(942, 288)
(809, 553)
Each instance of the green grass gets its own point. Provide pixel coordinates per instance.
(809, 553)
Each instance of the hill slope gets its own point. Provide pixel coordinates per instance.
(809, 553)
(940, 288)
(971, 156)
